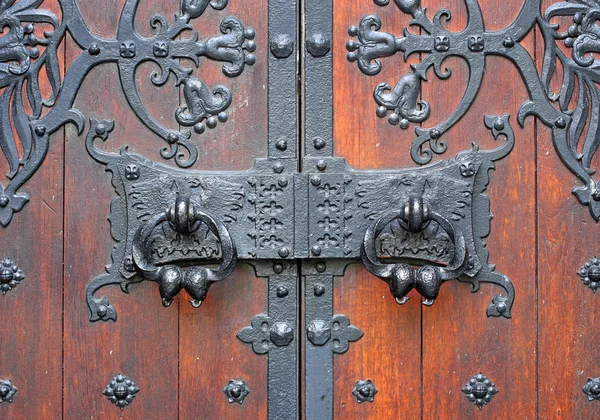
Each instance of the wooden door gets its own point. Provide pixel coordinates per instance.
(324, 209)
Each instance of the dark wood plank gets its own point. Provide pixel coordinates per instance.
(568, 310)
(143, 344)
(31, 331)
(368, 142)
(209, 351)
(211, 354)
(458, 340)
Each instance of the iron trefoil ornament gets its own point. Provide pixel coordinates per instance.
(27, 53)
(568, 120)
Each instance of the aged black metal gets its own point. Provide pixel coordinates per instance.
(10, 275)
(23, 62)
(589, 273)
(7, 391)
(169, 224)
(592, 389)
(364, 391)
(480, 390)
(236, 391)
(474, 44)
(121, 391)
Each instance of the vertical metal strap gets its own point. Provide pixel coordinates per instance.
(319, 358)
(283, 79)
(283, 360)
(318, 79)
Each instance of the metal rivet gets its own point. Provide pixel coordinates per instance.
(319, 143)
(318, 45)
(40, 130)
(321, 267)
(172, 138)
(508, 42)
(316, 250)
(284, 252)
(321, 165)
(278, 268)
(282, 182)
(4, 200)
(319, 289)
(560, 122)
(315, 180)
(94, 49)
(499, 124)
(435, 133)
(282, 144)
(282, 45)
(278, 168)
(282, 291)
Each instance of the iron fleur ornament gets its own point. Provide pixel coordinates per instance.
(480, 390)
(364, 391)
(568, 119)
(10, 275)
(592, 389)
(121, 391)
(590, 274)
(236, 391)
(7, 391)
(27, 54)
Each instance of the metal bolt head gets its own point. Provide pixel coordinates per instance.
(316, 250)
(318, 45)
(508, 42)
(282, 45)
(282, 144)
(321, 165)
(4, 201)
(321, 267)
(560, 122)
(94, 49)
(284, 252)
(278, 168)
(318, 332)
(40, 130)
(282, 182)
(319, 289)
(315, 180)
(319, 143)
(282, 291)
(281, 334)
(277, 268)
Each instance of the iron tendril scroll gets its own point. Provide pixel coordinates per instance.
(22, 62)
(568, 121)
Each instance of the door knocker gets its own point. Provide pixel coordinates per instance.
(414, 217)
(184, 217)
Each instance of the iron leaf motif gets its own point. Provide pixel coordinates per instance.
(28, 51)
(575, 124)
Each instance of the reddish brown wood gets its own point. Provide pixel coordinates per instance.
(143, 342)
(210, 354)
(31, 331)
(369, 142)
(568, 310)
(458, 340)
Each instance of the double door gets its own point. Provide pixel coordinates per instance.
(270, 209)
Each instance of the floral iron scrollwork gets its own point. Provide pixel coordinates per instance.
(28, 51)
(568, 120)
